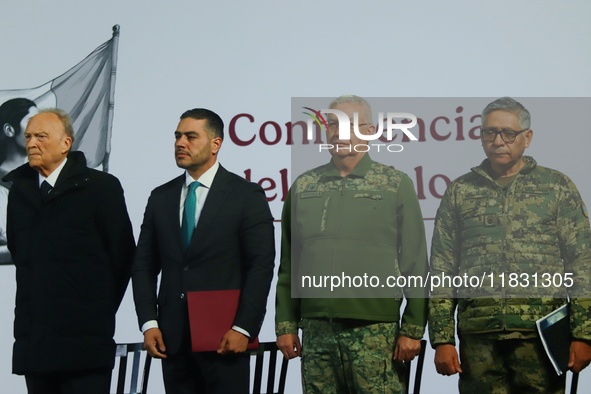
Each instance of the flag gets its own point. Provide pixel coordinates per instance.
(86, 93)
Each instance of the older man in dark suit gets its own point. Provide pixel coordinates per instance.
(207, 229)
(72, 244)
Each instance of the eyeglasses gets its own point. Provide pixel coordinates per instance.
(333, 126)
(507, 135)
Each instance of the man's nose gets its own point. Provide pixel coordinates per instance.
(499, 140)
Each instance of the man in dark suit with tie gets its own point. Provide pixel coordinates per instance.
(207, 229)
(72, 244)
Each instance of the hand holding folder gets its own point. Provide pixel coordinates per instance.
(211, 315)
(554, 330)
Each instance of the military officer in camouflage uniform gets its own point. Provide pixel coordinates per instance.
(509, 215)
(349, 217)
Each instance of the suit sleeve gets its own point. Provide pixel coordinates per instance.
(117, 235)
(257, 243)
(146, 267)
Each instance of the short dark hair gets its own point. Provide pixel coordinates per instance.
(214, 124)
(13, 111)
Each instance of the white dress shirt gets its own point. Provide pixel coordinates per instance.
(52, 178)
(201, 192)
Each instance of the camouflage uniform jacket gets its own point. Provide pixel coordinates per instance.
(538, 225)
(368, 222)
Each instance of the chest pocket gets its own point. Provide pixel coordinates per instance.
(532, 195)
(368, 200)
(474, 208)
(479, 218)
(535, 206)
(367, 205)
(311, 215)
(373, 214)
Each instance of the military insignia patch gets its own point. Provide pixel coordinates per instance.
(311, 195)
(584, 209)
(312, 187)
(490, 220)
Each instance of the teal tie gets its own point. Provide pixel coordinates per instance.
(188, 225)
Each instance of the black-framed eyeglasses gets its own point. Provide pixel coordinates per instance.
(507, 135)
(333, 126)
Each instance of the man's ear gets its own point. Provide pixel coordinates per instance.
(371, 129)
(8, 130)
(216, 144)
(67, 145)
(528, 137)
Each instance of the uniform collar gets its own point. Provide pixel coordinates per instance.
(360, 170)
(485, 168)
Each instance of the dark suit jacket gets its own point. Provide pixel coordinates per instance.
(73, 252)
(232, 248)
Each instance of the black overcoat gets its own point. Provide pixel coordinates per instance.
(73, 251)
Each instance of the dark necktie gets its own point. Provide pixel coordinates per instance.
(188, 225)
(45, 189)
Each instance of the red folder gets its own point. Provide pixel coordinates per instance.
(211, 314)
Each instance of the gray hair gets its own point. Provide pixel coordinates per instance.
(350, 98)
(508, 104)
(63, 117)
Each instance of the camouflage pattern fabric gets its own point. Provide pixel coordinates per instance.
(538, 225)
(341, 357)
(511, 366)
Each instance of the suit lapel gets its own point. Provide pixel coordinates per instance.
(216, 197)
(173, 210)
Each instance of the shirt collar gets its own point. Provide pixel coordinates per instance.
(52, 178)
(206, 179)
(359, 171)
